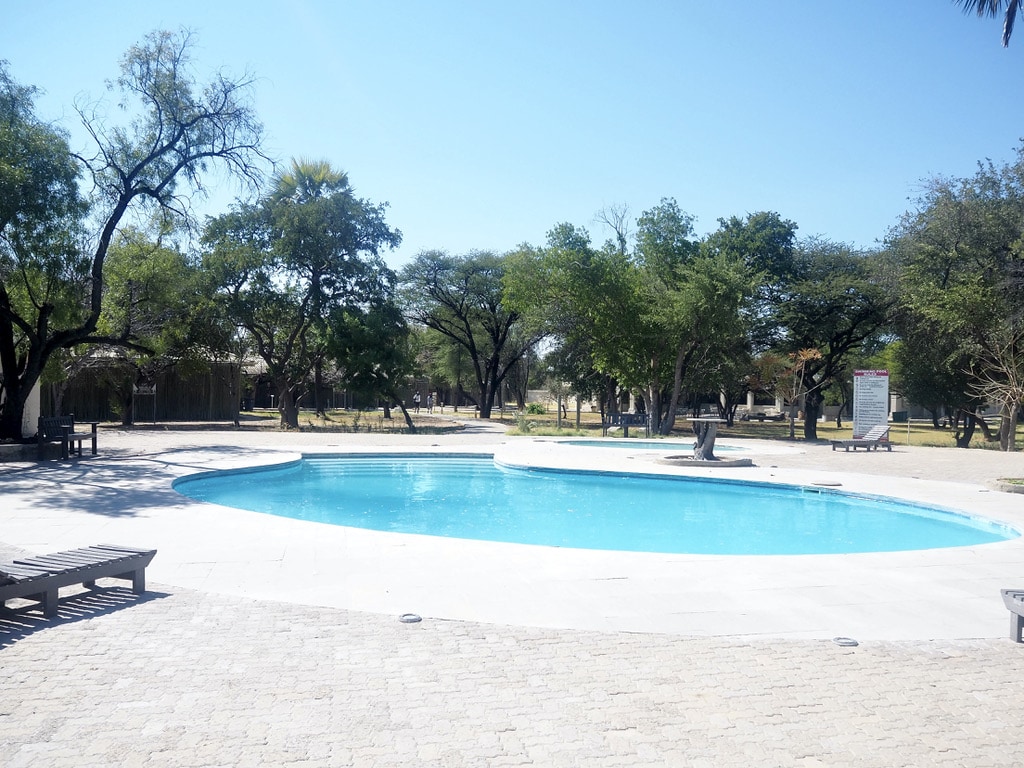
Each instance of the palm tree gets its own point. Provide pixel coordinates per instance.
(308, 180)
(992, 8)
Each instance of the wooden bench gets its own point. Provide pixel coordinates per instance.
(61, 429)
(40, 578)
(625, 421)
(1014, 601)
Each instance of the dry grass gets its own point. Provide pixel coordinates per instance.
(917, 433)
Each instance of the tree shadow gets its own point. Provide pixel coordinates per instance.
(123, 487)
(17, 623)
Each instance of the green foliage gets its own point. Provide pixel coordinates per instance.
(835, 305)
(960, 268)
(535, 409)
(665, 238)
(301, 273)
(644, 320)
(44, 271)
(765, 243)
(461, 299)
(53, 289)
(523, 424)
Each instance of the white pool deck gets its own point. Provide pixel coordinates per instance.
(124, 496)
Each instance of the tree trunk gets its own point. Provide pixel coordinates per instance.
(18, 383)
(318, 381)
(485, 402)
(401, 404)
(408, 418)
(985, 429)
(57, 392)
(127, 407)
(611, 393)
(12, 410)
(963, 440)
(812, 409)
(704, 445)
(287, 406)
(1008, 428)
(668, 421)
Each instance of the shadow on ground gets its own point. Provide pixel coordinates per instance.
(110, 488)
(26, 618)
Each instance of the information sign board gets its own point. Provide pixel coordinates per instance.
(870, 401)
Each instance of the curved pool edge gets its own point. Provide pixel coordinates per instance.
(930, 594)
(550, 454)
(564, 456)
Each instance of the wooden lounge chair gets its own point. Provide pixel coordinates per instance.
(875, 437)
(39, 578)
(1014, 600)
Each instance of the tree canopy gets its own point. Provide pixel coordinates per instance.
(52, 257)
(296, 266)
(960, 268)
(461, 298)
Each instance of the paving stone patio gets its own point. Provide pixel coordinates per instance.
(180, 677)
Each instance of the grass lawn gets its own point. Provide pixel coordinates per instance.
(920, 433)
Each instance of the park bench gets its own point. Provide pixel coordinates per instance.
(1014, 601)
(625, 421)
(41, 577)
(761, 416)
(61, 429)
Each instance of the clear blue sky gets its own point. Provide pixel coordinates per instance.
(485, 124)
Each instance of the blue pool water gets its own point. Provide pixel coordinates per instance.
(472, 498)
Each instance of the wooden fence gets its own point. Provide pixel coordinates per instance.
(95, 395)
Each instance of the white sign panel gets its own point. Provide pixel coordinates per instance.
(870, 401)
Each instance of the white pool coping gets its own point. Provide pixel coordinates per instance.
(931, 594)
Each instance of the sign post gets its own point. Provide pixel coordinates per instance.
(147, 390)
(870, 401)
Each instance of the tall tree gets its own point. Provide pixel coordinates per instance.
(648, 318)
(461, 298)
(961, 269)
(43, 272)
(52, 289)
(835, 305)
(309, 249)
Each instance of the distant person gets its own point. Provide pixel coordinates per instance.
(416, 401)
(430, 402)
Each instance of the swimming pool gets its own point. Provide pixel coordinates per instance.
(472, 497)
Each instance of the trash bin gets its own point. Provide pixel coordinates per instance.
(899, 417)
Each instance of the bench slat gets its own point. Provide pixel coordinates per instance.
(41, 577)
